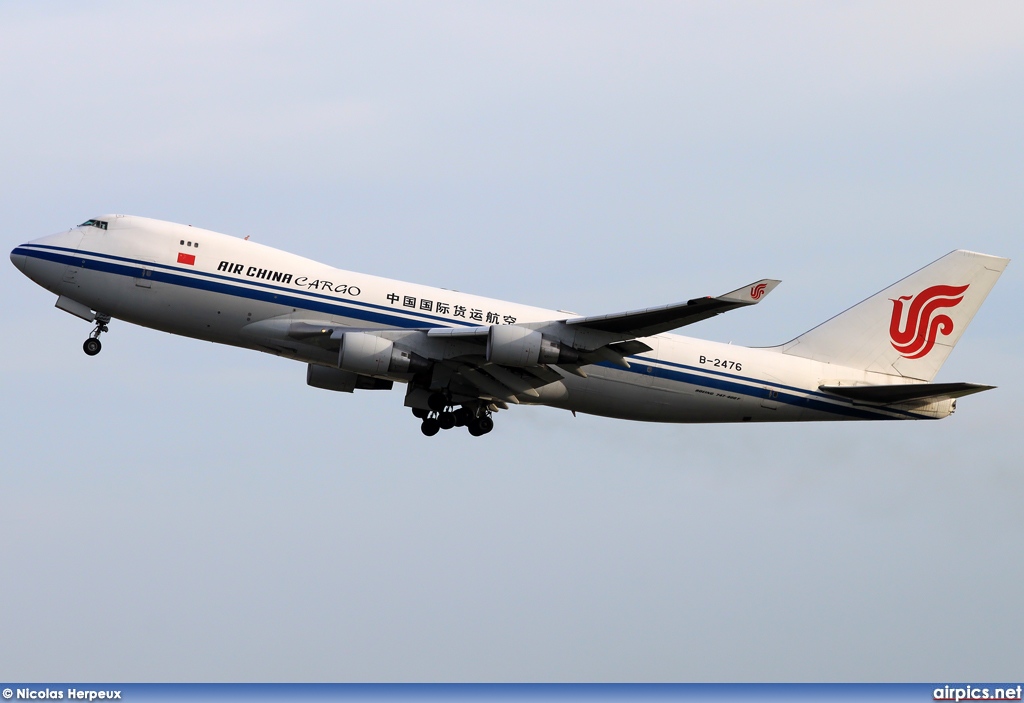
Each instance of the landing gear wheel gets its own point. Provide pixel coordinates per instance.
(480, 425)
(437, 402)
(462, 417)
(430, 427)
(92, 345)
(420, 413)
(446, 420)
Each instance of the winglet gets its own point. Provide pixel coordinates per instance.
(751, 294)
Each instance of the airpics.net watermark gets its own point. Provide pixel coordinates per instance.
(977, 693)
(49, 694)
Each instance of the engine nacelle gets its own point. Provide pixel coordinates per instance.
(343, 381)
(510, 345)
(371, 355)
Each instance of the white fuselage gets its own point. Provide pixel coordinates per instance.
(141, 271)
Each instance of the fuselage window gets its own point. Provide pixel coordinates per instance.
(94, 223)
(182, 242)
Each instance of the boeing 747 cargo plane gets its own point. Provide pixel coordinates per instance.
(463, 357)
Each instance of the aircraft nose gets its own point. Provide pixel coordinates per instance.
(18, 259)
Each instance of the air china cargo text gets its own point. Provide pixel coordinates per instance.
(281, 277)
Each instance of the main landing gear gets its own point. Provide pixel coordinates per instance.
(92, 345)
(443, 416)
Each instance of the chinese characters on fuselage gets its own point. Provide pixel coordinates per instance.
(450, 310)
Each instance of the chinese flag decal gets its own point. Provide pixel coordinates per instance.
(189, 259)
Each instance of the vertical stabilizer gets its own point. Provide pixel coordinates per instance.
(909, 328)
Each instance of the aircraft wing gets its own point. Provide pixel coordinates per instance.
(648, 321)
(651, 321)
(505, 363)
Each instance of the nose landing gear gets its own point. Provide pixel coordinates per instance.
(92, 345)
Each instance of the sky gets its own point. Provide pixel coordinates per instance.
(174, 510)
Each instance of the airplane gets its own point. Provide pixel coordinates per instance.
(464, 357)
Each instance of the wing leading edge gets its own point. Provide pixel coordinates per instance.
(651, 321)
(648, 321)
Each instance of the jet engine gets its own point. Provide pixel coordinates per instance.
(371, 355)
(510, 345)
(344, 381)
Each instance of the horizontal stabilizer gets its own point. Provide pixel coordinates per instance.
(651, 321)
(905, 392)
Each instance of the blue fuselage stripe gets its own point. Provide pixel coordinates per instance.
(264, 292)
(370, 313)
(760, 390)
(817, 400)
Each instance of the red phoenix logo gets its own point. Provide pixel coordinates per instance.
(922, 326)
(757, 292)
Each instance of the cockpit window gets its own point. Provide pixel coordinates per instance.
(94, 223)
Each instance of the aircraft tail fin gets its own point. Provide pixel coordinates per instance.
(909, 328)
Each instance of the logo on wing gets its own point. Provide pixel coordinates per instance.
(915, 328)
(757, 292)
